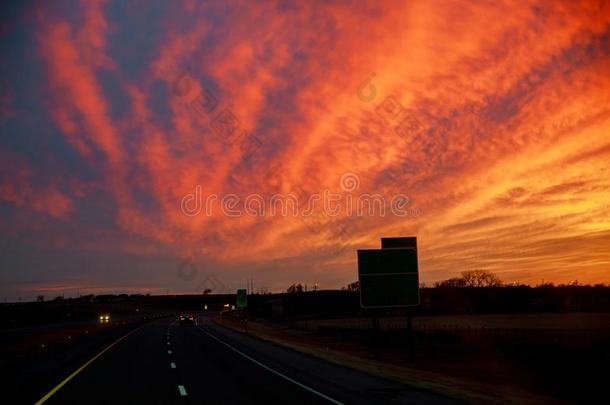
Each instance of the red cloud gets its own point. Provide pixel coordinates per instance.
(465, 104)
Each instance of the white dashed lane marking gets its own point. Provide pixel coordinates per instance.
(172, 365)
(182, 390)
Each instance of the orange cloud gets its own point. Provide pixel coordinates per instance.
(491, 118)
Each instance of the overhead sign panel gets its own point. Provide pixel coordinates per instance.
(389, 277)
(383, 261)
(399, 243)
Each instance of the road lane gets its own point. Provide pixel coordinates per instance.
(338, 382)
(213, 374)
(83, 367)
(135, 371)
(164, 363)
(138, 370)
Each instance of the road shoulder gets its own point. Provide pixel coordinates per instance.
(449, 387)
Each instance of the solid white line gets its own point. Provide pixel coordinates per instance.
(169, 352)
(182, 390)
(172, 365)
(334, 401)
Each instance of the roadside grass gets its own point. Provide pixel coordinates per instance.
(514, 365)
(36, 345)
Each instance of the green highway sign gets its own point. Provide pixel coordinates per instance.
(385, 261)
(389, 277)
(242, 298)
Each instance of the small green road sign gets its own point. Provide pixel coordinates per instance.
(388, 277)
(242, 298)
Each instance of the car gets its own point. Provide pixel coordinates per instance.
(187, 319)
(104, 318)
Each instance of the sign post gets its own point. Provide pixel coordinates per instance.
(389, 278)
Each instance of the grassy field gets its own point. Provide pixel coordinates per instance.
(566, 322)
(537, 358)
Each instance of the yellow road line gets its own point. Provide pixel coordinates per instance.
(81, 368)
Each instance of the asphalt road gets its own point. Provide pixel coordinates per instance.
(165, 363)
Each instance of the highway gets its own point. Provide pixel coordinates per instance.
(163, 362)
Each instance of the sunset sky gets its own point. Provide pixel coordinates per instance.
(488, 122)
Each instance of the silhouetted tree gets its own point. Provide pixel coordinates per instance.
(452, 282)
(295, 288)
(355, 286)
(480, 278)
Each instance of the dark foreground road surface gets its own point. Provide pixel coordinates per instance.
(165, 363)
